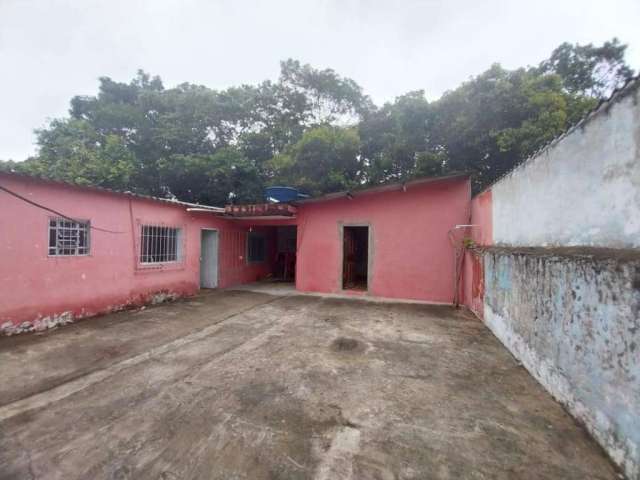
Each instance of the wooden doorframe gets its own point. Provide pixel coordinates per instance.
(341, 226)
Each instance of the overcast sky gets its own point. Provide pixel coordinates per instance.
(51, 50)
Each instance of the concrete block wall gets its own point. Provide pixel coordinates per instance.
(573, 320)
(558, 279)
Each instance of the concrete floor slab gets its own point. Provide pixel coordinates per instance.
(243, 385)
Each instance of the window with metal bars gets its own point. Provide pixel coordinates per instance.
(159, 244)
(67, 238)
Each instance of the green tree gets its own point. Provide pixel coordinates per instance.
(190, 124)
(394, 136)
(73, 151)
(216, 179)
(325, 159)
(491, 122)
(10, 166)
(316, 129)
(589, 70)
(328, 96)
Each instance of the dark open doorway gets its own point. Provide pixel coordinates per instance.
(284, 268)
(355, 264)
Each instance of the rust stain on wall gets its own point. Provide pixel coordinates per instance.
(477, 285)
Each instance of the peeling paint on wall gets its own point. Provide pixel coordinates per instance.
(37, 325)
(563, 290)
(41, 323)
(573, 320)
(163, 297)
(110, 277)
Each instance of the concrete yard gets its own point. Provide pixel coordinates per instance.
(247, 385)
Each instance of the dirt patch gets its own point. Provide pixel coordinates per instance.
(346, 345)
(253, 394)
(334, 320)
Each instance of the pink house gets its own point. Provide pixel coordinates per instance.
(69, 251)
(403, 230)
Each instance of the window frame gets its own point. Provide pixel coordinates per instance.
(261, 236)
(178, 243)
(85, 223)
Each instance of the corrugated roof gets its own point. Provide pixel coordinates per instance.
(115, 192)
(389, 187)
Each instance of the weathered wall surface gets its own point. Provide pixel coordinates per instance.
(562, 288)
(583, 190)
(411, 256)
(482, 235)
(44, 290)
(573, 320)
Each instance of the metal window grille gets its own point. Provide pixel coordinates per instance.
(159, 244)
(255, 247)
(67, 237)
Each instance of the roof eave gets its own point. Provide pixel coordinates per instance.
(97, 189)
(381, 188)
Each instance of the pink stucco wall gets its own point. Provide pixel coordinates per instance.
(481, 215)
(482, 235)
(34, 285)
(411, 254)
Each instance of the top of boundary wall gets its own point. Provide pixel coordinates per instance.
(603, 106)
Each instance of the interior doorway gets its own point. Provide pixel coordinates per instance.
(355, 258)
(208, 258)
(284, 268)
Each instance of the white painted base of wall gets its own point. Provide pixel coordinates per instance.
(557, 385)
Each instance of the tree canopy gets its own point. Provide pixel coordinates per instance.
(316, 130)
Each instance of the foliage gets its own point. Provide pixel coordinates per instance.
(328, 96)
(316, 130)
(490, 122)
(393, 137)
(71, 150)
(214, 179)
(325, 159)
(10, 166)
(589, 70)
